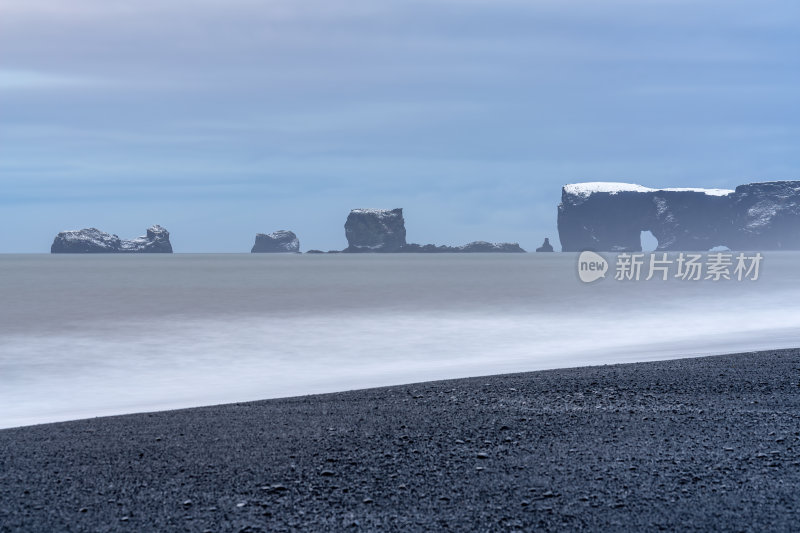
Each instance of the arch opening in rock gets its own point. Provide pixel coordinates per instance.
(649, 241)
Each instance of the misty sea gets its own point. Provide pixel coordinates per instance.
(92, 335)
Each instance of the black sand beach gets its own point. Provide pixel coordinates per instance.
(694, 444)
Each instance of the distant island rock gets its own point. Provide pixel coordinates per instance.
(384, 231)
(546, 246)
(94, 241)
(375, 230)
(607, 216)
(281, 241)
(490, 247)
(473, 247)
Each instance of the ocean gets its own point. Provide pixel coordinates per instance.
(93, 335)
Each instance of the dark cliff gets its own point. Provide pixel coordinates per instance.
(611, 217)
(375, 230)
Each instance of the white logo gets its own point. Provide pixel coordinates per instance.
(591, 267)
(689, 266)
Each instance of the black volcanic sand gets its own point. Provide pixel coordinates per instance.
(694, 444)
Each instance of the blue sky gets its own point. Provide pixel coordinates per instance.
(220, 119)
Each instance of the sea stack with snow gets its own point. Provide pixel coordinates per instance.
(375, 230)
(279, 242)
(486, 247)
(94, 241)
(608, 216)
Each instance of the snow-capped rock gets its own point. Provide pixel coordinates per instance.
(281, 241)
(585, 190)
(767, 216)
(93, 241)
(375, 230)
(156, 240)
(611, 216)
(490, 247)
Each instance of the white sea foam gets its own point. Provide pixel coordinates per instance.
(157, 333)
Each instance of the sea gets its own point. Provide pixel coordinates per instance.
(83, 336)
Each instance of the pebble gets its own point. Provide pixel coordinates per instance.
(275, 488)
(354, 470)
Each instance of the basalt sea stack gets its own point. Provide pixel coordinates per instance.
(94, 241)
(546, 246)
(384, 231)
(605, 216)
(281, 241)
(375, 230)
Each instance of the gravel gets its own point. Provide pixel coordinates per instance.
(700, 444)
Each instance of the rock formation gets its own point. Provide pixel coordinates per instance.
(765, 216)
(375, 230)
(611, 216)
(384, 231)
(485, 247)
(473, 247)
(546, 246)
(281, 241)
(94, 241)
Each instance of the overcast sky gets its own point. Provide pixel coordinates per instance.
(220, 119)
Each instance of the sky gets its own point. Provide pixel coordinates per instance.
(219, 119)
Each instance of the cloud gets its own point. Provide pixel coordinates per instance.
(118, 10)
(21, 80)
(475, 105)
